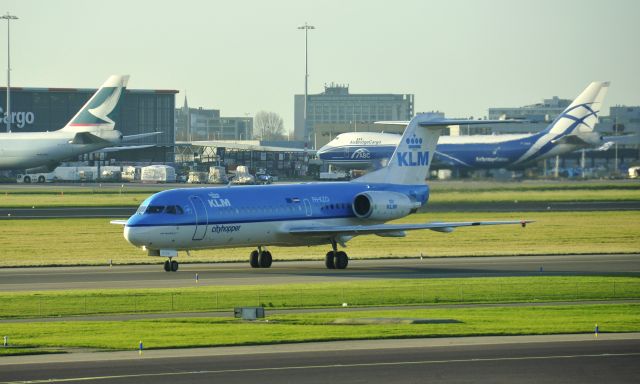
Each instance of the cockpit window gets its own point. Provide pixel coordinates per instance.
(141, 209)
(174, 210)
(155, 209)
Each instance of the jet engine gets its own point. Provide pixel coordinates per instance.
(381, 205)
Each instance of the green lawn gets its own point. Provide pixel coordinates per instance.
(201, 332)
(95, 241)
(334, 294)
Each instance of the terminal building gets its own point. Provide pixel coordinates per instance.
(141, 111)
(336, 111)
(198, 124)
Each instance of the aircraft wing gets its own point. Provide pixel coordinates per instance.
(393, 229)
(249, 147)
(119, 222)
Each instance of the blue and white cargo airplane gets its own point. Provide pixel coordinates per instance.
(573, 129)
(295, 214)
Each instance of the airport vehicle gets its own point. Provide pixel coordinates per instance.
(295, 214)
(242, 176)
(262, 177)
(91, 129)
(27, 178)
(573, 129)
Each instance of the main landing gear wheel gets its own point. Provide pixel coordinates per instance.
(170, 266)
(329, 260)
(336, 260)
(265, 259)
(260, 259)
(341, 260)
(253, 259)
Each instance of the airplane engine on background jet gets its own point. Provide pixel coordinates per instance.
(381, 205)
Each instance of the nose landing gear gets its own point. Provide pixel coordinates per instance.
(170, 265)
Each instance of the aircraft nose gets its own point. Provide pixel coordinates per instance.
(323, 150)
(131, 234)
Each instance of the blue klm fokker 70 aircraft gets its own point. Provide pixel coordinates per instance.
(295, 214)
(573, 129)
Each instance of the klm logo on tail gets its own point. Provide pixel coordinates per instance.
(414, 158)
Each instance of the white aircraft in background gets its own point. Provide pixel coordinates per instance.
(295, 214)
(573, 129)
(91, 129)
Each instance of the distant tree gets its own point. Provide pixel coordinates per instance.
(268, 126)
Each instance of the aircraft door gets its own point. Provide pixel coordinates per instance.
(307, 207)
(202, 218)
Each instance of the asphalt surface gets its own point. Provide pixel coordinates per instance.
(125, 212)
(153, 276)
(610, 358)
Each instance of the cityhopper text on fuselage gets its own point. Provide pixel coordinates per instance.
(295, 214)
(573, 129)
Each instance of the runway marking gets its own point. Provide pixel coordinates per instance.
(328, 366)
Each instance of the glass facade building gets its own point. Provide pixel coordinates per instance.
(141, 111)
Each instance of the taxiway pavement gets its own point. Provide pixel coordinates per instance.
(582, 358)
(283, 272)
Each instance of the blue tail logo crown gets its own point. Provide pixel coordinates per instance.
(414, 142)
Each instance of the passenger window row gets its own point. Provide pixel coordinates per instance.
(334, 206)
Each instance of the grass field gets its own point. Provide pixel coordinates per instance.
(442, 192)
(201, 332)
(95, 241)
(334, 294)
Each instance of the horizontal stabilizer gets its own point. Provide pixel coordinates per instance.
(382, 229)
(87, 138)
(446, 122)
(139, 136)
(633, 139)
(125, 148)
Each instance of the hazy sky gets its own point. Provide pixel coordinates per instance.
(242, 56)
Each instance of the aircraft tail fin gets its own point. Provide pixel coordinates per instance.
(410, 162)
(581, 115)
(97, 114)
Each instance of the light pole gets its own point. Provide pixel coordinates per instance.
(8, 17)
(615, 145)
(306, 28)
